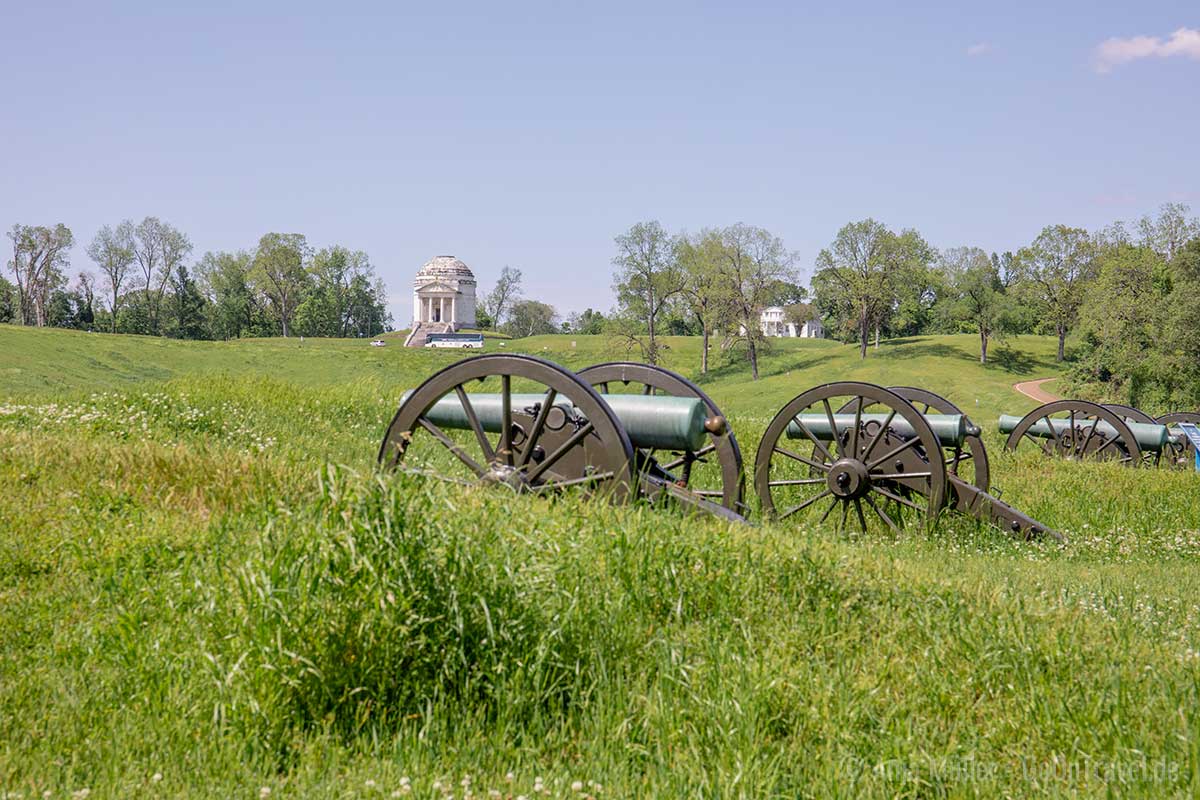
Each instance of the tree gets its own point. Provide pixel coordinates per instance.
(186, 306)
(1055, 270)
(752, 261)
(705, 289)
(1167, 234)
(978, 292)
(158, 248)
(112, 252)
(505, 293)
(226, 280)
(589, 323)
(851, 282)
(86, 292)
(914, 283)
(530, 318)
(40, 258)
(279, 273)
(800, 313)
(647, 277)
(1181, 330)
(8, 301)
(785, 293)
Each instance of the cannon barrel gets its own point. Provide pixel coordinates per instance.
(652, 422)
(950, 429)
(1149, 437)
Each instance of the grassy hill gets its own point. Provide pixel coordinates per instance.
(202, 579)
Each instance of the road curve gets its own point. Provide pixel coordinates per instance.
(1034, 390)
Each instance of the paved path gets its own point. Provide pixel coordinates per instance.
(1034, 390)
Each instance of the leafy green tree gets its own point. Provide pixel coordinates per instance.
(112, 251)
(225, 279)
(1170, 231)
(706, 291)
(916, 285)
(41, 256)
(85, 290)
(530, 318)
(752, 262)
(187, 307)
(646, 280)
(1055, 271)
(279, 273)
(158, 248)
(1181, 332)
(979, 299)
(8, 301)
(589, 323)
(852, 283)
(503, 295)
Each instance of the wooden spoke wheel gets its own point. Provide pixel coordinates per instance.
(969, 462)
(1131, 414)
(541, 430)
(880, 459)
(1179, 454)
(713, 472)
(1077, 429)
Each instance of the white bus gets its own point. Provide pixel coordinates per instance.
(472, 341)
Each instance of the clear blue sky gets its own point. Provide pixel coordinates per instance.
(531, 134)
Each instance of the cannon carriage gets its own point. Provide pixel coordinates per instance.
(626, 431)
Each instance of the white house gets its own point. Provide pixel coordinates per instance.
(773, 321)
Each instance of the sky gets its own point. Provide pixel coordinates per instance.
(530, 134)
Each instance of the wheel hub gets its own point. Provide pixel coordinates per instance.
(848, 478)
(500, 474)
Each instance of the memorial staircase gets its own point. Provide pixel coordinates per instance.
(423, 330)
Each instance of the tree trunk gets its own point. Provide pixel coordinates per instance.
(114, 311)
(876, 336)
(863, 333)
(652, 356)
(983, 340)
(1062, 338)
(753, 357)
(703, 348)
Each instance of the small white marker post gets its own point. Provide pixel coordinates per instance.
(1193, 435)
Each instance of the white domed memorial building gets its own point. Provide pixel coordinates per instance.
(443, 298)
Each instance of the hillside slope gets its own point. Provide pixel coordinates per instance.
(202, 578)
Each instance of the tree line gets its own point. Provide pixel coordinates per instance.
(1122, 294)
(146, 283)
(1125, 295)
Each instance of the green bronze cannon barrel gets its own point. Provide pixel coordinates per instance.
(1148, 437)
(652, 422)
(950, 429)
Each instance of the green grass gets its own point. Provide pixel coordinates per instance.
(201, 577)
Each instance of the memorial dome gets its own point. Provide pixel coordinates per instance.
(445, 267)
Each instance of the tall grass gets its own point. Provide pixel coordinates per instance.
(192, 588)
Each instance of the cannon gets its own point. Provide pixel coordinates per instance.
(1085, 431)
(1180, 454)
(625, 430)
(867, 448)
(532, 426)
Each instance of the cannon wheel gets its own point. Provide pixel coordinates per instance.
(1180, 455)
(854, 470)
(1075, 443)
(538, 449)
(1131, 414)
(722, 443)
(927, 402)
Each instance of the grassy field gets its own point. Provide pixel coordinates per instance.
(205, 590)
